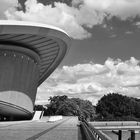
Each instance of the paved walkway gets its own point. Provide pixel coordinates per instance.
(65, 129)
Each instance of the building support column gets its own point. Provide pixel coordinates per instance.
(120, 135)
(132, 134)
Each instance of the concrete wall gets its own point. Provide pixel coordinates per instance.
(19, 74)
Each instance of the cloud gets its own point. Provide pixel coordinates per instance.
(78, 17)
(128, 32)
(61, 16)
(7, 5)
(91, 81)
(138, 24)
(113, 36)
(120, 8)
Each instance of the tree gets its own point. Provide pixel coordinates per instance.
(62, 105)
(55, 103)
(85, 107)
(118, 107)
(67, 108)
(38, 107)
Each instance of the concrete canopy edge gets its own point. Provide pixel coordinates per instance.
(43, 30)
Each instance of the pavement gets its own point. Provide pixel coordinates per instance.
(65, 129)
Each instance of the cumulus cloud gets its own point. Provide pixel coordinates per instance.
(61, 16)
(7, 5)
(91, 81)
(120, 8)
(75, 19)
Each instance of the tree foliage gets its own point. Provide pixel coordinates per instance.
(38, 108)
(62, 105)
(118, 107)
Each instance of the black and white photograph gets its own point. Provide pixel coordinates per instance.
(69, 69)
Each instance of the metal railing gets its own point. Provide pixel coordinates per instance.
(90, 133)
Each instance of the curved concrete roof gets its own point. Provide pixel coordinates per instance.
(50, 43)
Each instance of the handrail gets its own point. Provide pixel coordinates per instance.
(85, 131)
(91, 133)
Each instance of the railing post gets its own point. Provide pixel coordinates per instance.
(132, 134)
(120, 135)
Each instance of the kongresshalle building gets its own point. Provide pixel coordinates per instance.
(29, 53)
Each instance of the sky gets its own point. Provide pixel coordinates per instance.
(104, 55)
